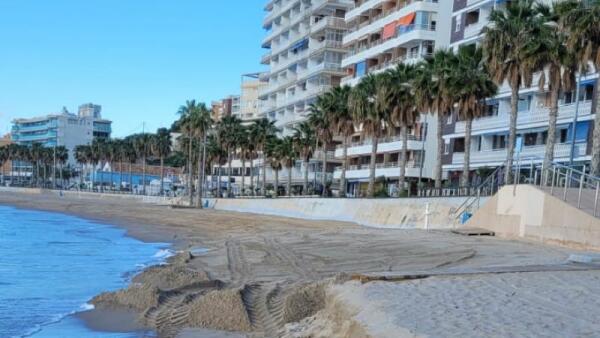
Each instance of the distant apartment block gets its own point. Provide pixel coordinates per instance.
(250, 104)
(490, 133)
(304, 43)
(63, 129)
(225, 107)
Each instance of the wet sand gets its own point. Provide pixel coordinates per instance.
(263, 272)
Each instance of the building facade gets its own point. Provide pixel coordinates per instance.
(304, 43)
(382, 34)
(63, 129)
(490, 133)
(250, 104)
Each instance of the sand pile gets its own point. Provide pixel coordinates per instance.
(220, 310)
(137, 297)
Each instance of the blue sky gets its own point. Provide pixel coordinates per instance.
(139, 59)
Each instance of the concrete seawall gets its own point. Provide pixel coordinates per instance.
(406, 213)
(91, 195)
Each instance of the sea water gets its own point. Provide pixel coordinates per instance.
(52, 264)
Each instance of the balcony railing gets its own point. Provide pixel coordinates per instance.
(562, 150)
(369, 4)
(399, 32)
(536, 115)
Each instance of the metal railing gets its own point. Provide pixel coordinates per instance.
(572, 185)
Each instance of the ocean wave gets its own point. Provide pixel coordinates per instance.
(55, 319)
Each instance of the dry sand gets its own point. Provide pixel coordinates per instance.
(263, 272)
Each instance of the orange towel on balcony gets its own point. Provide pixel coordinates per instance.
(407, 19)
(389, 30)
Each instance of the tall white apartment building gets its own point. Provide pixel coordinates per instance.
(490, 133)
(305, 51)
(382, 34)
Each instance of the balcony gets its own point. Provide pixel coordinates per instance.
(387, 145)
(377, 23)
(353, 80)
(494, 157)
(328, 22)
(474, 29)
(34, 137)
(537, 116)
(389, 170)
(403, 36)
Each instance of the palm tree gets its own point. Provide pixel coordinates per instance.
(131, 156)
(434, 94)
(229, 130)
(186, 113)
(472, 84)
(201, 122)
(246, 150)
(216, 155)
(161, 148)
(62, 157)
(254, 137)
(3, 159)
(583, 38)
(511, 51)
(319, 119)
(304, 142)
(273, 155)
(141, 145)
(35, 152)
(343, 125)
(369, 111)
(83, 154)
(264, 130)
(404, 113)
(288, 155)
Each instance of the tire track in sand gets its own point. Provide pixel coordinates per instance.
(237, 262)
(289, 259)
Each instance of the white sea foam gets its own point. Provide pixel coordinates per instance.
(87, 307)
(164, 254)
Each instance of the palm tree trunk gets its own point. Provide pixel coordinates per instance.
(199, 184)
(512, 136)
(305, 184)
(595, 170)
(219, 180)
(130, 178)
(229, 159)
(371, 188)
(162, 175)
(62, 183)
(252, 187)
(276, 183)
(120, 174)
(264, 174)
(344, 168)
(440, 150)
(289, 182)
(190, 171)
(324, 171)
(403, 158)
(242, 193)
(464, 180)
(144, 174)
(551, 138)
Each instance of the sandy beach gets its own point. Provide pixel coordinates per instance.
(266, 276)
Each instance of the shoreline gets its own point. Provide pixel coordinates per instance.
(272, 276)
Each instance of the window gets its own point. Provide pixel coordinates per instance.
(563, 135)
(458, 25)
(531, 139)
(446, 148)
(499, 142)
(459, 145)
(491, 109)
(472, 18)
(524, 103)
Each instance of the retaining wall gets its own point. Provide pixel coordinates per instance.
(533, 214)
(405, 213)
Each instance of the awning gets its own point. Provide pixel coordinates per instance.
(588, 82)
(389, 30)
(407, 19)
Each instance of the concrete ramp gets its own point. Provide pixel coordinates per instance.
(530, 213)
